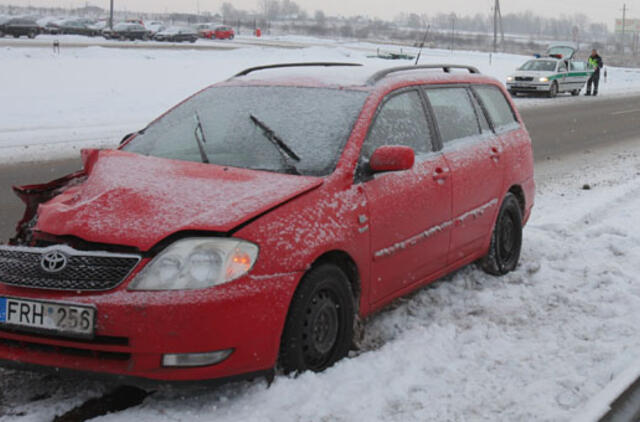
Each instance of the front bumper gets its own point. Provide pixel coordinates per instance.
(135, 329)
(529, 86)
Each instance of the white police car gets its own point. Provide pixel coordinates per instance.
(555, 73)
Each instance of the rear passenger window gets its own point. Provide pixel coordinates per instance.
(497, 107)
(454, 113)
(401, 121)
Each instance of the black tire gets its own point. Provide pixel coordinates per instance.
(575, 92)
(506, 239)
(319, 327)
(553, 91)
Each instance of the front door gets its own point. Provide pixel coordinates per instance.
(409, 210)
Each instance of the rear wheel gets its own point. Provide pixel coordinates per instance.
(506, 240)
(319, 327)
(553, 91)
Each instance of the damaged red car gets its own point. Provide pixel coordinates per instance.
(255, 224)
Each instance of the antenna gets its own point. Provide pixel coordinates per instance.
(424, 39)
(497, 21)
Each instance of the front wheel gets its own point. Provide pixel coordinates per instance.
(506, 240)
(319, 327)
(553, 91)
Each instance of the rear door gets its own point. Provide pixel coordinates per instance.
(474, 155)
(409, 210)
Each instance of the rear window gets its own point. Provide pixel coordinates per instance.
(496, 105)
(454, 113)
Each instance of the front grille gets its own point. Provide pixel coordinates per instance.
(524, 78)
(92, 271)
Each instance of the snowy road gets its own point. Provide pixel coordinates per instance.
(534, 345)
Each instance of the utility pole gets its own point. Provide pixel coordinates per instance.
(624, 24)
(111, 15)
(497, 21)
(453, 30)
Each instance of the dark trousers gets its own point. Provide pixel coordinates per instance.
(595, 80)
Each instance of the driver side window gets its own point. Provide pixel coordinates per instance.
(400, 121)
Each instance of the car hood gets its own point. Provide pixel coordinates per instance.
(533, 73)
(134, 200)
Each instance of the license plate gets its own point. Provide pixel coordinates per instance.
(54, 318)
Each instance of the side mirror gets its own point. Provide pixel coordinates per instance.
(392, 158)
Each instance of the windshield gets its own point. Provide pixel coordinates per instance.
(237, 126)
(539, 65)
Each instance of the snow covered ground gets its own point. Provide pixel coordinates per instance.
(537, 344)
(54, 105)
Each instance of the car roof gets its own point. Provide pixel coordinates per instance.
(357, 76)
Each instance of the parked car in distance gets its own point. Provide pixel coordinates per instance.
(18, 27)
(222, 33)
(555, 73)
(177, 34)
(204, 29)
(153, 27)
(256, 222)
(126, 31)
(73, 27)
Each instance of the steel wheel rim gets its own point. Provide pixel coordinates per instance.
(322, 326)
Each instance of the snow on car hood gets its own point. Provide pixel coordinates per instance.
(135, 200)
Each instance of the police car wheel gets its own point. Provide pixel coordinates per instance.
(553, 91)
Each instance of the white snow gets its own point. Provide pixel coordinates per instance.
(537, 344)
(93, 96)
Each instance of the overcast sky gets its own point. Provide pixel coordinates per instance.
(604, 11)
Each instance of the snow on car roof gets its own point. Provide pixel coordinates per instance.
(353, 76)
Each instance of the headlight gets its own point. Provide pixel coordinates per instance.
(509, 78)
(197, 263)
(544, 79)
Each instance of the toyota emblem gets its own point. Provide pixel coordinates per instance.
(53, 262)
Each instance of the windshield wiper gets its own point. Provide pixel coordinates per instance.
(200, 138)
(284, 150)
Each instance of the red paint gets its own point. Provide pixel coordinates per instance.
(402, 229)
(392, 158)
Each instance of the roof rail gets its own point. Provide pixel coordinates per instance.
(445, 67)
(275, 66)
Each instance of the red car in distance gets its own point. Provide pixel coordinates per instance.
(219, 33)
(254, 224)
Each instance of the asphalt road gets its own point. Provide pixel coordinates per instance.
(570, 126)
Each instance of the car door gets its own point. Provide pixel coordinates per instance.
(562, 77)
(473, 155)
(408, 210)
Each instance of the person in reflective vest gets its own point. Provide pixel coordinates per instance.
(595, 64)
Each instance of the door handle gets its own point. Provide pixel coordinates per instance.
(440, 174)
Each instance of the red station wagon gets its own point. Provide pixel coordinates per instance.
(256, 223)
